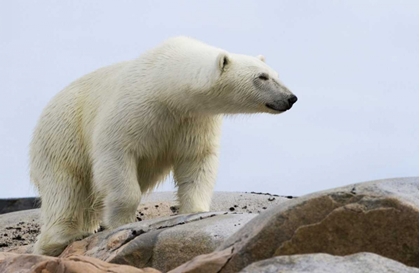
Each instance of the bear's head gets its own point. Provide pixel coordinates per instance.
(200, 78)
(247, 84)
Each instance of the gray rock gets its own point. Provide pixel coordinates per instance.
(176, 245)
(325, 263)
(406, 189)
(19, 229)
(162, 243)
(222, 201)
(13, 218)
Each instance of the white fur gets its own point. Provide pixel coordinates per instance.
(114, 134)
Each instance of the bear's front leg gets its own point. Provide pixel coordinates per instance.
(115, 183)
(195, 179)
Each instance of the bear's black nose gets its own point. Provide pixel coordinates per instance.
(292, 99)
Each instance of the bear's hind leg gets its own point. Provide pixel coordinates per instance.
(55, 238)
(66, 214)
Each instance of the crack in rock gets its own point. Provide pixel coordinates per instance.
(186, 222)
(136, 233)
(227, 261)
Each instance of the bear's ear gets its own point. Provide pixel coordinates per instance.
(223, 60)
(261, 58)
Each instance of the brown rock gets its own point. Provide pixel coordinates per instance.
(212, 262)
(28, 263)
(20, 249)
(380, 217)
(377, 225)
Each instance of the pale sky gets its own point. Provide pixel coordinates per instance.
(354, 66)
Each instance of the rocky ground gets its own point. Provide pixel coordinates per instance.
(366, 227)
(21, 228)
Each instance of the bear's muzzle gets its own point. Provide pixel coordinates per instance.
(282, 105)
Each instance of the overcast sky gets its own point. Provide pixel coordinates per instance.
(353, 65)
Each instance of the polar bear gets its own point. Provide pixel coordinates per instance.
(115, 133)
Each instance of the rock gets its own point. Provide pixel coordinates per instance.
(28, 263)
(162, 243)
(165, 204)
(19, 229)
(16, 204)
(181, 243)
(379, 216)
(325, 263)
(212, 262)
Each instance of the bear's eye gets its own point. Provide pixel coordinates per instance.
(263, 77)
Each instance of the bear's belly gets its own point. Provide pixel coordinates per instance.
(151, 172)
